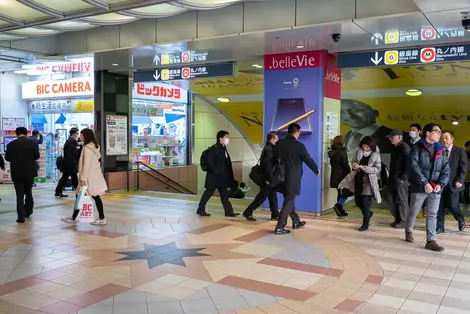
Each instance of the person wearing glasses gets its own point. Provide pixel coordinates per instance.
(429, 173)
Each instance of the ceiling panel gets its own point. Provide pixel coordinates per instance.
(64, 5)
(70, 25)
(109, 18)
(33, 31)
(427, 6)
(19, 11)
(163, 9)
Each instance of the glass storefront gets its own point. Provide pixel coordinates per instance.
(159, 125)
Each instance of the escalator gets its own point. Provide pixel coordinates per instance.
(150, 179)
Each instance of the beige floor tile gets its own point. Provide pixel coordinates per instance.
(176, 293)
(69, 280)
(397, 283)
(376, 309)
(154, 287)
(194, 284)
(387, 301)
(172, 280)
(29, 299)
(425, 297)
(64, 293)
(45, 287)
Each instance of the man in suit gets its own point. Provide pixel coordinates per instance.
(71, 157)
(219, 175)
(451, 194)
(293, 154)
(22, 154)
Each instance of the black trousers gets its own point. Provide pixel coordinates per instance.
(269, 193)
(451, 201)
(398, 198)
(99, 208)
(206, 196)
(364, 202)
(24, 198)
(288, 209)
(467, 193)
(63, 180)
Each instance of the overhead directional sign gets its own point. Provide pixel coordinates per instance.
(404, 56)
(185, 73)
(180, 57)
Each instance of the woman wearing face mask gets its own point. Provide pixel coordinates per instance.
(266, 162)
(363, 181)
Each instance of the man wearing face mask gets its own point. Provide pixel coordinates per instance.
(266, 162)
(219, 175)
(293, 154)
(71, 156)
(415, 134)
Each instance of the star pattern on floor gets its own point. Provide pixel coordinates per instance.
(159, 255)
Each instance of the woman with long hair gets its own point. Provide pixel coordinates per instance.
(339, 170)
(90, 175)
(364, 180)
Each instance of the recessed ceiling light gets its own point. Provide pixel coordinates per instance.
(257, 66)
(455, 123)
(300, 47)
(115, 65)
(223, 99)
(413, 92)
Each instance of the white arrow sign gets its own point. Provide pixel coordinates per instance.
(376, 60)
(156, 59)
(156, 76)
(377, 37)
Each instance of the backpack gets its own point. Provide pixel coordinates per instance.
(279, 173)
(59, 162)
(203, 160)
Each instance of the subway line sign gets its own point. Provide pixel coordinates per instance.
(405, 56)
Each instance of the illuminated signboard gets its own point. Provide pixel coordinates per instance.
(55, 89)
(170, 74)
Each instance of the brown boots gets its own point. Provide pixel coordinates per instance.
(430, 245)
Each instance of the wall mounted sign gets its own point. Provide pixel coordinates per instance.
(39, 69)
(49, 106)
(55, 89)
(159, 92)
(116, 135)
(405, 56)
(185, 73)
(10, 124)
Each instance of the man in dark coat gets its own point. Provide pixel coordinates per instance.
(451, 194)
(37, 136)
(219, 175)
(397, 188)
(293, 154)
(70, 167)
(22, 154)
(428, 170)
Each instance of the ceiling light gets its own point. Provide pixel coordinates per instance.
(413, 92)
(115, 65)
(223, 99)
(257, 66)
(300, 47)
(455, 123)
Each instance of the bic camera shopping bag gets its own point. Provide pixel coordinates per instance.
(84, 203)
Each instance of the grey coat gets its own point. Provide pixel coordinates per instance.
(372, 170)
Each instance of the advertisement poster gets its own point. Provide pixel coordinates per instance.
(331, 125)
(116, 135)
(10, 124)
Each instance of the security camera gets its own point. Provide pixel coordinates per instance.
(336, 37)
(465, 20)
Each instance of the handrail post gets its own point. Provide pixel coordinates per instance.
(138, 177)
(128, 177)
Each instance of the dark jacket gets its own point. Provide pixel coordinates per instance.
(39, 141)
(339, 165)
(22, 154)
(266, 161)
(71, 155)
(458, 164)
(424, 168)
(293, 153)
(398, 163)
(219, 168)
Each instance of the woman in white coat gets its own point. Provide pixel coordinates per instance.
(90, 175)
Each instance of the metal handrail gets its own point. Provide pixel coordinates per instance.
(175, 185)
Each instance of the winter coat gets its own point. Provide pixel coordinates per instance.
(89, 168)
(372, 170)
(219, 168)
(424, 168)
(339, 165)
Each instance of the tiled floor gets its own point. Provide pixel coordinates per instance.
(157, 256)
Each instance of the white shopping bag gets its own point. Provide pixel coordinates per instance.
(85, 204)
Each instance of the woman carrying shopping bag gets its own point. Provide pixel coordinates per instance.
(90, 175)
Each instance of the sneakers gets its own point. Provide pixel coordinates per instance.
(69, 220)
(98, 222)
(433, 246)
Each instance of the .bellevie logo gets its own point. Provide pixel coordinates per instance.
(333, 77)
(298, 60)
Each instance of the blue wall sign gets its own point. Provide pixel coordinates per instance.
(185, 73)
(404, 56)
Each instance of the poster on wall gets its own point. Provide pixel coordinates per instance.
(331, 125)
(10, 124)
(116, 135)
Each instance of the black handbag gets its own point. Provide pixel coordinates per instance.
(257, 174)
(279, 173)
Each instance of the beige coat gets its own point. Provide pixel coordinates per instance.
(372, 170)
(89, 169)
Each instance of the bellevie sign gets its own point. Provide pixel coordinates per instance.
(295, 60)
(53, 89)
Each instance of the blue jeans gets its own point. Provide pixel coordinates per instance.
(340, 200)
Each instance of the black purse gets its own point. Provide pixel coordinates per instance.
(257, 174)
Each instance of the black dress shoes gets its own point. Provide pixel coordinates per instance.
(248, 216)
(203, 214)
(232, 214)
(61, 195)
(462, 225)
(281, 231)
(298, 225)
(274, 218)
(20, 221)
